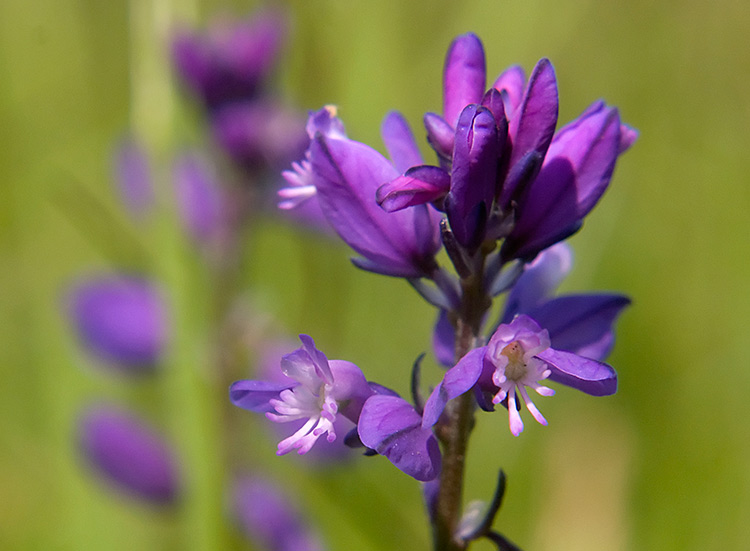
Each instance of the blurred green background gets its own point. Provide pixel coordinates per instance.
(661, 465)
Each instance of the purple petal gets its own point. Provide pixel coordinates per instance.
(474, 174)
(350, 388)
(255, 395)
(347, 176)
(581, 324)
(493, 101)
(457, 380)
(133, 176)
(319, 359)
(268, 517)
(392, 427)
(510, 84)
(202, 204)
(121, 320)
(547, 212)
(440, 135)
(130, 454)
(533, 123)
(538, 281)
(628, 136)
(590, 144)
(463, 76)
(399, 141)
(419, 185)
(444, 340)
(587, 375)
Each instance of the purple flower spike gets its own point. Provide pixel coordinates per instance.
(391, 426)
(202, 204)
(463, 76)
(269, 518)
(317, 392)
(129, 454)
(121, 320)
(231, 62)
(474, 175)
(518, 356)
(133, 176)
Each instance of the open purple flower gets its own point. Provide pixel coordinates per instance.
(502, 169)
(344, 176)
(518, 356)
(318, 390)
(130, 454)
(269, 518)
(121, 320)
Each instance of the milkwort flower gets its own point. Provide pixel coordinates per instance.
(518, 356)
(344, 175)
(318, 390)
(503, 172)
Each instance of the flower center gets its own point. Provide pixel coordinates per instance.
(516, 369)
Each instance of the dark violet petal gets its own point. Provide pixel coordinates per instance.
(463, 76)
(510, 84)
(393, 428)
(130, 454)
(539, 280)
(440, 134)
(254, 395)
(581, 323)
(200, 198)
(133, 177)
(590, 144)
(269, 518)
(399, 141)
(444, 340)
(419, 185)
(121, 320)
(457, 380)
(533, 123)
(547, 212)
(474, 175)
(587, 375)
(347, 175)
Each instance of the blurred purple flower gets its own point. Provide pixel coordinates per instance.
(317, 390)
(129, 454)
(344, 176)
(201, 200)
(133, 177)
(121, 320)
(268, 518)
(518, 356)
(260, 134)
(232, 61)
